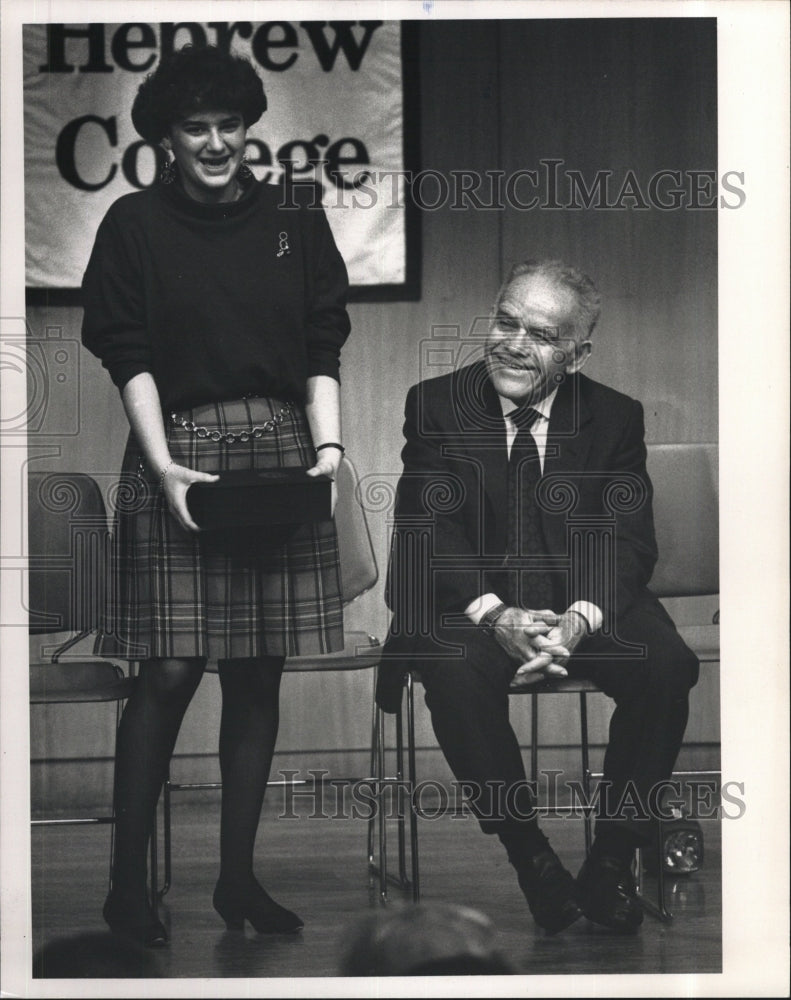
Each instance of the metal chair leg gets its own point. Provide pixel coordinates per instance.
(382, 819)
(659, 908)
(373, 771)
(664, 913)
(153, 851)
(112, 821)
(534, 739)
(166, 822)
(382, 783)
(399, 803)
(412, 789)
(586, 773)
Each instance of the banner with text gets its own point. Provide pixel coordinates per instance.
(335, 115)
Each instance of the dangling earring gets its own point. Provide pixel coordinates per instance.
(168, 173)
(244, 174)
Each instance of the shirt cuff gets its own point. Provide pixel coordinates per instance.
(590, 612)
(476, 609)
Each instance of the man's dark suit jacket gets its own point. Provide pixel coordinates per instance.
(449, 538)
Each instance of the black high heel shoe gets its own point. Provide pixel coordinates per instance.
(140, 924)
(254, 904)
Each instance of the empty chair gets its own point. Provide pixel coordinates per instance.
(68, 552)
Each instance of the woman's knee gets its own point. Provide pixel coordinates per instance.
(170, 677)
(257, 678)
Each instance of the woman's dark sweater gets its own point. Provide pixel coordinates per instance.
(196, 294)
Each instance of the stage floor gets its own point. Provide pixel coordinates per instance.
(317, 867)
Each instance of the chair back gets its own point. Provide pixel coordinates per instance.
(359, 571)
(68, 552)
(686, 517)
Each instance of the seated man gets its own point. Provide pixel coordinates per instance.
(522, 550)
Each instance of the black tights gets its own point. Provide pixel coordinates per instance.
(248, 730)
(147, 735)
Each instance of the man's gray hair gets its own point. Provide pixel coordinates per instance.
(586, 294)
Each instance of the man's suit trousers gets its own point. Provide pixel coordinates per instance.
(467, 696)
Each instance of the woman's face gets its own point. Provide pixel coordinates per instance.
(208, 147)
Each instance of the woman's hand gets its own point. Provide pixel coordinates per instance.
(323, 410)
(327, 462)
(176, 480)
(144, 410)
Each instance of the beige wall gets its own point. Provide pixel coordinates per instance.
(502, 96)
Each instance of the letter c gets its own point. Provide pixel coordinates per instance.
(64, 151)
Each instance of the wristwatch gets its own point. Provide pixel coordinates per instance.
(489, 618)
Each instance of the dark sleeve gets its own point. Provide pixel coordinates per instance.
(429, 522)
(628, 495)
(327, 322)
(636, 552)
(113, 326)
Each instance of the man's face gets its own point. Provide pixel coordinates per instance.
(532, 344)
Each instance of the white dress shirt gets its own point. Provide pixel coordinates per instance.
(478, 608)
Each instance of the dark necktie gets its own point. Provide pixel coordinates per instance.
(525, 536)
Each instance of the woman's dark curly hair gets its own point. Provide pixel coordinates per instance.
(196, 79)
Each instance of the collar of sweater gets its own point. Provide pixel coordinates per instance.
(175, 196)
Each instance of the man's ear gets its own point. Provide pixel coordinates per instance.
(581, 355)
(165, 143)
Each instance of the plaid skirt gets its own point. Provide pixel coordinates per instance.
(249, 593)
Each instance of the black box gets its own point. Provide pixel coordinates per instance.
(262, 497)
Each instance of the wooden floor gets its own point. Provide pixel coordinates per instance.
(317, 867)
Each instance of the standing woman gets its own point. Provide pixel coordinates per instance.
(218, 308)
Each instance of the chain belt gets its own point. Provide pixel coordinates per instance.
(230, 437)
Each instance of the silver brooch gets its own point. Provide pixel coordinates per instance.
(284, 248)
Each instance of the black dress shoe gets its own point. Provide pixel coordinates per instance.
(608, 894)
(550, 892)
(139, 922)
(252, 902)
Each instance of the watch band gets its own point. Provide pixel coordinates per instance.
(489, 618)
